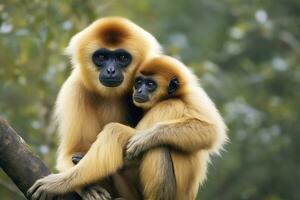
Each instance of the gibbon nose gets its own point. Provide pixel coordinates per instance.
(111, 70)
(140, 90)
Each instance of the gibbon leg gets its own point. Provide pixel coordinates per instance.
(157, 175)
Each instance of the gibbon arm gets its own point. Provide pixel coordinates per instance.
(108, 149)
(77, 122)
(185, 134)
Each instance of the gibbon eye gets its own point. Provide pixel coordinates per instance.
(138, 82)
(123, 57)
(151, 85)
(101, 58)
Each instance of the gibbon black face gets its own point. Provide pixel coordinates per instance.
(111, 65)
(144, 86)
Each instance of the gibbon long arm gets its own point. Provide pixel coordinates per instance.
(185, 134)
(89, 169)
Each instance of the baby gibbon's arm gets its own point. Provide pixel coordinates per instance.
(184, 134)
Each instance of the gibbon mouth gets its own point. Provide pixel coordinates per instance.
(140, 99)
(111, 82)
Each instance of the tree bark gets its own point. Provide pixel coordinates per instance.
(19, 163)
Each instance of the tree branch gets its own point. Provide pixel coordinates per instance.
(19, 163)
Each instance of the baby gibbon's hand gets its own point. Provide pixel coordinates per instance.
(138, 144)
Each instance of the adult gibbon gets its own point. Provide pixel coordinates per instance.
(178, 115)
(105, 56)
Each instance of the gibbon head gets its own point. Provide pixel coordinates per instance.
(158, 79)
(108, 52)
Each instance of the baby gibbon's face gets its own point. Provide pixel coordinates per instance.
(149, 90)
(145, 92)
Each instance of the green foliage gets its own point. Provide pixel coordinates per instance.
(246, 53)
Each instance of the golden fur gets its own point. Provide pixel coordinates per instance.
(187, 122)
(84, 105)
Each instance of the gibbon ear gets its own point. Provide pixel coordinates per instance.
(173, 85)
